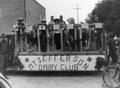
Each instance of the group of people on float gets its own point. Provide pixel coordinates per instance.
(55, 35)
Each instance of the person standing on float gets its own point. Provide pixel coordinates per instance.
(43, 35)
(50, 31)
(71, 33)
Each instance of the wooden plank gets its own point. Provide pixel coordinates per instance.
(64, 53)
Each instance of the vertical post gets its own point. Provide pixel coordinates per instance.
(25, 10)
(105, 42)
(17, 45)
(25, 39)
(38, 33)
(21, 43)
(90, 42)
(53, 45)
(52, 31)
(77, 8)
(15, 42)
(75, 35)
(77, 14)
(47, 32)
(62, 39)
(80, 32)
(25, 42)
(103, 37)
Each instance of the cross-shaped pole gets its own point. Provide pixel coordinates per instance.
(77, 8)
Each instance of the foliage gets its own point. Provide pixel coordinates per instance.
(108, 12)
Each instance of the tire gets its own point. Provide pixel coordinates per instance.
(4, 83)
(111, 77)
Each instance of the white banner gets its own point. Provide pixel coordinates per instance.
(85, 26)
(56, 27)
(98, 25)
(29, 28)
(42, 27)
(59, 62)
(70, 26)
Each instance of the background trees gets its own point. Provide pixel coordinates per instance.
(108, 12)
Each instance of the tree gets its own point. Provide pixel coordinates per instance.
(107, 11)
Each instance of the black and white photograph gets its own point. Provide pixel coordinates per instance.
(59, 43)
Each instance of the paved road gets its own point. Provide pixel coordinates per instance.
(83, 80)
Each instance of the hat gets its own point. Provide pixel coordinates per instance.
(20, 19)
(56, 20)
(3, 35)
(43, 21)
(71, 20)
(111, 35)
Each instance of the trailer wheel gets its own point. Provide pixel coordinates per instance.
(4, 83)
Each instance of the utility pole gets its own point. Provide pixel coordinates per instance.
(77, 8)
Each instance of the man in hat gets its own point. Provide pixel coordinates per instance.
(50, 31)
(57, 35)
(20, 33)
(71, 33)
(43, 35)
(21, 27)
(111, 43)
(3, 55)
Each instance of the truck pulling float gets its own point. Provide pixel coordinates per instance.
(82, 58)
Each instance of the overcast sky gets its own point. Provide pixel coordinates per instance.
(67, 8)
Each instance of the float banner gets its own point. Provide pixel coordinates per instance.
(59, 62)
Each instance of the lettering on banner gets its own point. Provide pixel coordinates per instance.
(75, 58)
(43, 59)
(34, 63)
(85, 66)
(54, 58)
(47, 67)
(60, 63)
(65, 67)
(80, 62)
(31, 67)
(61, 59)
(68, 58)
(39, 60)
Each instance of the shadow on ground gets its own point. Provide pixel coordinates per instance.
(56, 73)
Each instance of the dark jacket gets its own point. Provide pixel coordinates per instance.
(3, 55)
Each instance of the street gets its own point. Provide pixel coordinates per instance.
(83, 80)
